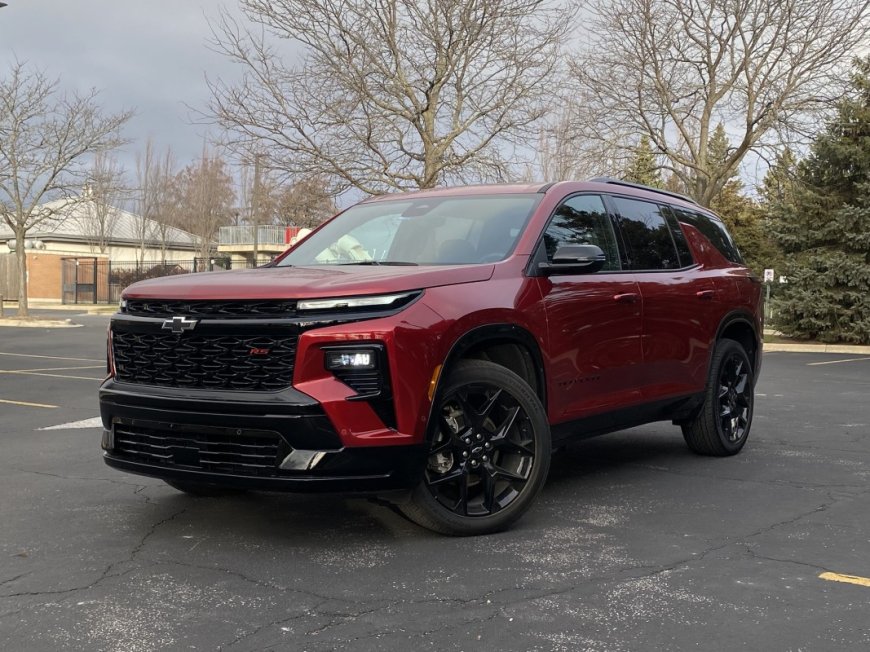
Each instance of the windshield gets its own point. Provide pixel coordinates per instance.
(430, 231)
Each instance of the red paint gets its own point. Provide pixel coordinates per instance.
(606, 340)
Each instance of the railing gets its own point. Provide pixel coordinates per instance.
(98, 280)
(266, 234)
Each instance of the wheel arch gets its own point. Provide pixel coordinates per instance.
(508, 345)
(742, 328)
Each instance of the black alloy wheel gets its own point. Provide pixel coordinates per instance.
(489, 455)
(735, 397)
(722, 425)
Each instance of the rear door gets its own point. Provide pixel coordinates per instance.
(681, 310)
(593, 320)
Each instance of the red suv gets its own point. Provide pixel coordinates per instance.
(433, 348)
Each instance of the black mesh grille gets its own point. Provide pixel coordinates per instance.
(244, 363)
(362, 382)
(252, 453)
(210, 309)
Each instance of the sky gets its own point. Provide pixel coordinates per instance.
(148, 55)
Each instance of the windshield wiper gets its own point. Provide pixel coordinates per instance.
(382, 262)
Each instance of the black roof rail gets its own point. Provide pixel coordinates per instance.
(640, 186)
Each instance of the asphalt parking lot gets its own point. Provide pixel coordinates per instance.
(635, 543)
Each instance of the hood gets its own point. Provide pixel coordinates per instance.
(305, 282)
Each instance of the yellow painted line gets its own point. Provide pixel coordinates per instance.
(49, 357)
(36, 373)
(816, 364)
(26, 404)
(847, 579)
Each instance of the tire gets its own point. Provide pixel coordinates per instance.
(722, 425)
(202, 490)
(489, 456)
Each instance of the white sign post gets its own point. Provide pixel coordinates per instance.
(768, 276)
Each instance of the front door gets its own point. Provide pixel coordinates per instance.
(593, 320)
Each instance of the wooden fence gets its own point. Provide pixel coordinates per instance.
(8, 276)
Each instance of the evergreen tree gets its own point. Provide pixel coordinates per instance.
(643, 168)
(823, 225)
(741, 215)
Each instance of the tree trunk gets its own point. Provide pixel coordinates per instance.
(22, 273)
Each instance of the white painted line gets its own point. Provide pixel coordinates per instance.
(816, 364)
(96, 422)
(49, 357)
(21, 371)
(28, 404)
(35, 373)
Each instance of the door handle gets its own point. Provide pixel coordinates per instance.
(628, 297)
(705, 295)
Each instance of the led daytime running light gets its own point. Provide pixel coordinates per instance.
(351, 302)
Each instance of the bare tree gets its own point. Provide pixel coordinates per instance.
(45, 138)
(204, 192)
(306, 202)
(391, 94)
(105, 190)
(674, 69)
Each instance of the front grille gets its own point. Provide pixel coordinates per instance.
(231, 362)
(251, 453)
(209, 309)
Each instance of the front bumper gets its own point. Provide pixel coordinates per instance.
(280, 441)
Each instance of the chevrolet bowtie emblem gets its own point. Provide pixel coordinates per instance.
(180, 324)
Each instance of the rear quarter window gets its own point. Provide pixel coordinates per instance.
(713, 230)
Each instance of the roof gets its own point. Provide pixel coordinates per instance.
(72, 224)
(599, 184)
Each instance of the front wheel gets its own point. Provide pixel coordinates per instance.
(489, 455)
(721, 427)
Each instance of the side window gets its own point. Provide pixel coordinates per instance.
(714, 231)
(583, 219)
(647, 235)
(683, 250)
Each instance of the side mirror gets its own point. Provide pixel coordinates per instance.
(575, 259)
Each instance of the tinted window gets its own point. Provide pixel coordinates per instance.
(683, 250)
(582, 220)
(714, 231)
(649, 241)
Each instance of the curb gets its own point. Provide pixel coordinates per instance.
(817, 348)
(38, 323)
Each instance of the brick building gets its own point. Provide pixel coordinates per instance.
(76, 236)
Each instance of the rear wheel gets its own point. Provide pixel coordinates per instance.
(489, 455)
(722, 426)
(202, 489)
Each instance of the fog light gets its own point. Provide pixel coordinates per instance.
(351, 360)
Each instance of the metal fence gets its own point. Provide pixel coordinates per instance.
(97, 280)
(266, 234)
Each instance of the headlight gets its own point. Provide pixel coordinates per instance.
(122, 305)
(351, 359)
(382, 301)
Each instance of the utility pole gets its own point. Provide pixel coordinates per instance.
(255, 207)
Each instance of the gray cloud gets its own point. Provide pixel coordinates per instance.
(148, 55)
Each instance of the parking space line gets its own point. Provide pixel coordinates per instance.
(847, 579)
(816, 364)
(27, 404)
(49, 357)
(94, 366)
(38, 373)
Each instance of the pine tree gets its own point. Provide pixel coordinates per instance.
(643, 168)
(741, 214)
(823, 225)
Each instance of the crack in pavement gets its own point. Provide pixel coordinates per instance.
(83, 479)
(107, 572)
